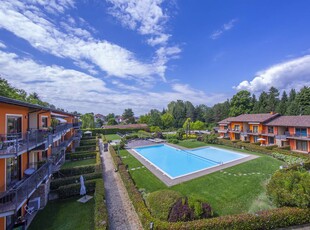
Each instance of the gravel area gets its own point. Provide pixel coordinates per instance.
(122, 214)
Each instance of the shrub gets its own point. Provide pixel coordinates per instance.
(101, 213)
(114, 130)
(256, 143)
(285, 147)
(270, 147)
(88, 142)
(86, 148)
(77, 171)
(290, 160)
(189, 136)
(82, 156)
(55, 184)
(74, 189)
(160, 202)
(290, 188)
(173, 141)
(210, 139)
(180, 133)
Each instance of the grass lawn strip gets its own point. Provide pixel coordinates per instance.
(65, 214)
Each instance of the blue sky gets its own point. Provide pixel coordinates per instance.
(105, 56)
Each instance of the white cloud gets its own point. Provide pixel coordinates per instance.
(74, 90)
(294, 73)
(227, 26)
(44, 35)
(2, 45)
(157, 40)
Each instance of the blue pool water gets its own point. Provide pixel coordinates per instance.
(176, 162)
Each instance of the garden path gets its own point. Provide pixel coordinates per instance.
(122, 214)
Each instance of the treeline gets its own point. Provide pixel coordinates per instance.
(19, 94)
(177, 112)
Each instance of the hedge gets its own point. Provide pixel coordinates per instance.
(270, 219)
(82, 156)
(86, 148)
(74, 189)
(112, 131)
(77, 171)
(88, 138)
(88, 142)
(55, 184)
(68, 155)
(101, 213)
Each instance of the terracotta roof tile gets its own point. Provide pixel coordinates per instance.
(295, 121)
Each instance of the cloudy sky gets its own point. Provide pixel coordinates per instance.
(104, 56)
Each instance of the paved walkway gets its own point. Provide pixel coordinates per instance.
(122, 214)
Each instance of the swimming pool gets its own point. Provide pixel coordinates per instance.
(177, 163)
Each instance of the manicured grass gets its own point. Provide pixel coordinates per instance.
(111, 137)
(240, 189)
(65, 215)
(73, 164)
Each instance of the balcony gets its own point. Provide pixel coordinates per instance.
(269, 134)
(253, 132)
(77, 125)
(62, 129)
(236, 130)
(223, 130)
(12, 200)
(14, 144)
(298, 136)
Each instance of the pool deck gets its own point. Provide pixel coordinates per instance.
(170, 182)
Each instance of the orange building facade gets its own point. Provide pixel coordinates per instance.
(33, 142)
(269, 129)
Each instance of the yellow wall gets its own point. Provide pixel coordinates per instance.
(260, 127)
(232, 125)
(49, 118)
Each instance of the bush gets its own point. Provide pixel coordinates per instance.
(81, 156)
(88, 142)
(290, 160)
(160, 202)
(74, 189)
(77, 171)
(173, 141)
(210, 139)
(256, 143)
(101, 213)
(86, 148)
(189, 136)
(270, 147)
(285, 147)
(113, 131)
(55, 184)
(290, 188)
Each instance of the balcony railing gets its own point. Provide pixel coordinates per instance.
(11, 200)
(298, 136)
(62, 128)
(14, 143)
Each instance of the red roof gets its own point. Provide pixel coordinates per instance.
(293, 121)
(261, 117)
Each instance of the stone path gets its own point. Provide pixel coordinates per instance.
(122, 214)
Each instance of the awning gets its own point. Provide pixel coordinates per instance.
(61, 120)
(88, 132)
(57, 115)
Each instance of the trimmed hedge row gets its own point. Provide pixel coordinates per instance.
(88, 142)
(261, 149)
(68, 172)
(86, 148)
(81, 156)
(68, 155)
(101, 213)
(270, 219)
(55, 184)
(74, 189)
(88, 138)
(112, 131)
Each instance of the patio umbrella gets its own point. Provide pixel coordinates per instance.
(83, 189)
(261, 139)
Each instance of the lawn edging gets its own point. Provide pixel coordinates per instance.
(276, 218)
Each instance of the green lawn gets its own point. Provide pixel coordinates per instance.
(111, 137)
(240, 189)
(65, 215)
(191, 143)
(73, 164)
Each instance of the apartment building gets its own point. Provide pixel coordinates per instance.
(269, 129)
(33, 142)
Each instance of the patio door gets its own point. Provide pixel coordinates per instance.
(13, 171)
(14, 126)
(301, 145)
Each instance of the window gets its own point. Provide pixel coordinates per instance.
(301, 132)
(237, 136)
(14, 124)
(301, 145)
(271, 140)
(255, 138)
(255, 129)
(44, 122)
(12, 171)
(237, 127)
(270, 129)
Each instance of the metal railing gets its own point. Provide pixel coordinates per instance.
(62, 128)
(14, 143)
(77, 124)
(12, 199)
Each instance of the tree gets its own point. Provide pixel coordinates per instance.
(255, 104)
(99, 122)
(273, 99)
(178, 111)
(198, 125)
(240, 103)
(112, 121)
(155, 118)
(190, 110)
(303, 101)
(263, 102)
(88, 121)
(144, 119)
(187, 126)
(200, 112)
(282, 107)
(109, 116)
(128, 116)
(167, 120)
